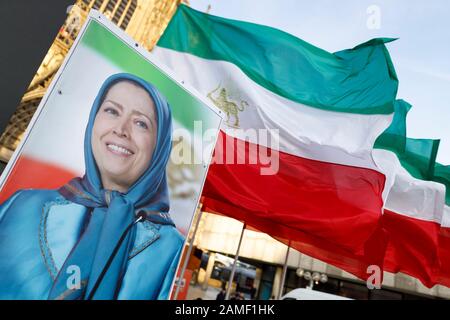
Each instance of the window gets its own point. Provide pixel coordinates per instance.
(128, 14)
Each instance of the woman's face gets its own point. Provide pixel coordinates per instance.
(124, 135)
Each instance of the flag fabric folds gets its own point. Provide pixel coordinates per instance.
(414, 209)
(313, 148)
(326, 193)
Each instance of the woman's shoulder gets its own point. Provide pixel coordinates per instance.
(27, 198)
(41, 195)
(169, 233)
(165, 240)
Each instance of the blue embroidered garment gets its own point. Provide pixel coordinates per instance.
(102, 217)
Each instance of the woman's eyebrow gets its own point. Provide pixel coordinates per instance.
(115, 103)
(134, 112)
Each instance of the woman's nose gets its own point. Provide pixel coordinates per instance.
(122, 129)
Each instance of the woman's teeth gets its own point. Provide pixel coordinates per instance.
(113, 147)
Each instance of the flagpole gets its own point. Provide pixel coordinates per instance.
(283, 277)
(188, 253)
(233, 270)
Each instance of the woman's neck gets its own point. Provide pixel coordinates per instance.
(111, 185)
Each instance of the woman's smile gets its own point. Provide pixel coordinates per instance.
(118, 149)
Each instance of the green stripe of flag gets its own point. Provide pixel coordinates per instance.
(394, 137)
(359, 80)
(442, 175)
(417, 156)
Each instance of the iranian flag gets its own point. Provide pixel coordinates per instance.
(442, 175)
(312, 180)
(417, 211)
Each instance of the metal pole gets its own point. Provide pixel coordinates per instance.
(283, 277)
(188, 254)
(233, 270)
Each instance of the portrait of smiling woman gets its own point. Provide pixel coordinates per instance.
(108, 234)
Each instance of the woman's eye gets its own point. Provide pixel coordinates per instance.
(111, 111)
(142, 124)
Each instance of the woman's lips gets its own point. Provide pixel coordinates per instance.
(119, 149)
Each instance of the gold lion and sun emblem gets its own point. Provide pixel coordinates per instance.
(221, 99)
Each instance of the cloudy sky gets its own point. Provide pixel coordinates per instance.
(421, 55)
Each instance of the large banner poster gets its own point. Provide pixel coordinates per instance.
(98, 198)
